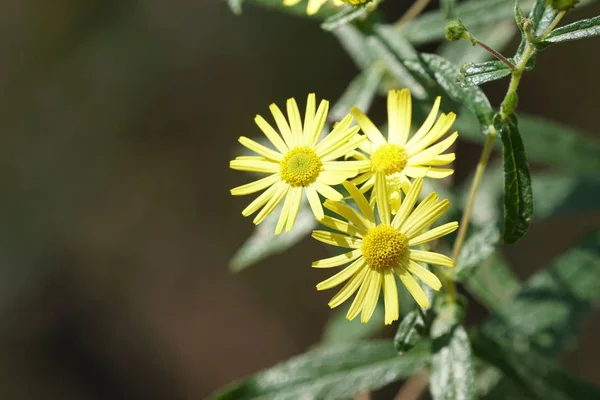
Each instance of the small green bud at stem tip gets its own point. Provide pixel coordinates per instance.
(562, 5)
(456, 30)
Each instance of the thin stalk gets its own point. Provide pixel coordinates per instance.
(464, 222)
(417, 7)
(495, 53)
(552, 25)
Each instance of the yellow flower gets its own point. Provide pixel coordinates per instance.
(379, 250)
(300, 163)
(313, 6)
(401, 158)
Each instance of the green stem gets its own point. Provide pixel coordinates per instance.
(483, 161)
(417, 7)
(506, 109)
(552, 25)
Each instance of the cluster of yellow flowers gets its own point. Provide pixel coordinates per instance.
(305, 159)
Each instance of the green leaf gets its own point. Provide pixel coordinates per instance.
(445, 74)
(480, 73)
(564, 195)
(359, 93)
(411, 330)
(476, 249)
(578, 30)
(263, 242)
(344, 17)
(529, 375)
(333, 372)
(395, 67)
(518, 195)
(493, 284)
(548, 313)
(340, 330)
(355, 44)
(452, 374)
(474, 14)
(567, 148)
(545, 317)
(235, 6)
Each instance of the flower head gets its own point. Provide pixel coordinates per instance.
(400, 157)
(379, 251)
(313, 6)
(299, 162)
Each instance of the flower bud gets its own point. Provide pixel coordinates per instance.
(562, 5)
(455, 30)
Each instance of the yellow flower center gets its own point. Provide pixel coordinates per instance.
(383, 246)
(389, 158)
(300, 166)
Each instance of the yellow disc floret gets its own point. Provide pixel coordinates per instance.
(389, 158)
(300, 166)
(383, 246)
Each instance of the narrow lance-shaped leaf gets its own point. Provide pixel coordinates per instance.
(518, 195)
(480, 73)
(355, 44)
(333, 372)
(410, 331)
(263, 242)
(477, 248)
(344, 17)
(395, 67)
(493, 284)
(359, 93)
(445, 74)
(340, 330)
(452, 375)
(564, 147)
(578, 30)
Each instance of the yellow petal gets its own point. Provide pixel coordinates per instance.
(371, 297)
(433, 234)
(399, 116)
(361, 201)
(427, 219)
(349, 213)
(291, 2)
(342, 226)
(430, 257)
(260, 149)
(408, 204)
(423, 157)
(315, 202)
(439, 129)
(295, 120)
(390, 297)
(341, 276)
(341, 131)
(349, 288)
(426, 276)
(413, 287)
(261, 200)
(327, 191)
(296, 195)
(383, 205)
(334, 177)
(345, 148)
(368, 127)
(255, 186)
(420, 172)
(271, 134)
(309, 116)
(336, 261)
(266, 167)
(283, 126)
(312, 135)
(313, 6)
(336, 239)
(359, 300)
(271, 204)
(426, 127)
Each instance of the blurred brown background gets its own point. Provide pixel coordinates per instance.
(117, 121)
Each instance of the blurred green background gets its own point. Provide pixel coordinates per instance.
(117, 122)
